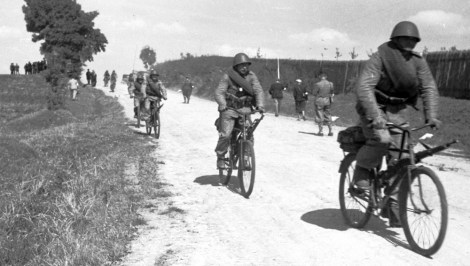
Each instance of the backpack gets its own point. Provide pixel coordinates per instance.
(351, 139)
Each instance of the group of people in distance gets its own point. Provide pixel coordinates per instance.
(113, 78)
(323, 92)
(388, 86)
(144, 90)
(29, 68)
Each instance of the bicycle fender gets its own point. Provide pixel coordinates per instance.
(345, 162)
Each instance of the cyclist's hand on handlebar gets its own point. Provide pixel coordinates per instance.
(378, 123)
(223, 109)
(434, 123)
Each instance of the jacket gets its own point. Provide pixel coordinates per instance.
(276, 90)
(375, 77)
(299, 93)
(323, 89)
(155, 89)
(227, 86)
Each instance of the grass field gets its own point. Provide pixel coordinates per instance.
(65, 197)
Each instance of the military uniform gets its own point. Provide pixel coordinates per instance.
(187, 90)
(113, 80)
(388, 87)
(231, 95)
(137, 90)
(323, 91)
(397, 92)
(106, 78)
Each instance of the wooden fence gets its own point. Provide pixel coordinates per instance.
(451, 72)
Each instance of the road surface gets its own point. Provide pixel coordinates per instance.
(292, 217)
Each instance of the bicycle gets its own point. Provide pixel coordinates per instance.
(421, 195)
(241, 151)
(154, 119)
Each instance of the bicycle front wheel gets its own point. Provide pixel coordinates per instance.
(156, 125)
(355, 206)
(246, 167)
(423, 211)
(226, 173)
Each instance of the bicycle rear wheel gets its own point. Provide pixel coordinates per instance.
(148, 125)
(246, 167)
(355, 206)
(156, 124)
(226, 173)
(138, 117)
(423, 211)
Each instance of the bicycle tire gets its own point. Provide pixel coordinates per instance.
(226, 173)
(156, 124)
(424, 238)
(138, 118)
(356, 209)
(246, 167)
(148, 125)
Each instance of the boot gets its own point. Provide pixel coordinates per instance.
(390, 211)
(135, 112)
(330, 131)
(361, 178)
(220, 162)
(320, 130)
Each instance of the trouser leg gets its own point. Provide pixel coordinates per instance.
(227, 123)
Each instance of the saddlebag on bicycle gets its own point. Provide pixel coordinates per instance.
(351, 139)
(217, 124)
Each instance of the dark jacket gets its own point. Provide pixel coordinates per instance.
(276, 90)
(187, 88)
(300, 93)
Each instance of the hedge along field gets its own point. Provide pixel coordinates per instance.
(65, 195)
(206, 72)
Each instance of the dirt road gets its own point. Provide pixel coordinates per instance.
(292, 217)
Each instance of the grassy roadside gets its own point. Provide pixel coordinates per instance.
(66, 196)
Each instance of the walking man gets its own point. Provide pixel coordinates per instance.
(275, 91)
(187, 89)
(323, 91)
(300, 98)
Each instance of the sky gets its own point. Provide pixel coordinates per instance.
(290, 29)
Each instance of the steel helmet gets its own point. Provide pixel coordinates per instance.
(241, 58)
(405, 28)
(153, 73)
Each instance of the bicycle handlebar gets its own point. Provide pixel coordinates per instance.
(392, 125)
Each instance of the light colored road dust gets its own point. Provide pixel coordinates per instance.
(292, 217)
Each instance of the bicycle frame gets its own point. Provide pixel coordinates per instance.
(245, 132)
(407, 145)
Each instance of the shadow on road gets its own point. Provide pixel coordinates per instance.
(308, 133)
(333, 219)
(213, 180)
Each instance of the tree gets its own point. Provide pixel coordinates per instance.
(338, 54)
(68, 35)
(425, 50)
(148, 57)
(258, 53)
(353, 53)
